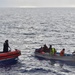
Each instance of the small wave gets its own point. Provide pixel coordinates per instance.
(33, 70)
(65, 70)
(28, 34)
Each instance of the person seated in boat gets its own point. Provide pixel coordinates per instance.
(42, 51)
(45, 48)
(73, 53)
(39, 50)
(6, 46)
(53, 52)
(62, 52)
(50, 48)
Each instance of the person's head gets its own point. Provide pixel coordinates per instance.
(44, 45)
(63, 49)
(6, 41)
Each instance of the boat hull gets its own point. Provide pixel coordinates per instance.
(67, 57)
(9, 57)
(8, 62)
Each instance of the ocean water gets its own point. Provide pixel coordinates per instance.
(30, 28)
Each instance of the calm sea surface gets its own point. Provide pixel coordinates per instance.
(30, 28)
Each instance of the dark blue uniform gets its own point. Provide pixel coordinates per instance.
(5, 46)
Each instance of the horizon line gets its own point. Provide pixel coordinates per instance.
(37, 6)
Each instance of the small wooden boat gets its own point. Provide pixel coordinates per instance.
(9, 56)
(46, 55)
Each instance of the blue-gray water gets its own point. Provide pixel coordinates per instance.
(30, 28)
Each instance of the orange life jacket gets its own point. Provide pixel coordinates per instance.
(62, 53)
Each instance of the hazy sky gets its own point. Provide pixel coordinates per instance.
(37, 3)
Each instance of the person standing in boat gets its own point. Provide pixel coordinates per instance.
(6, 46)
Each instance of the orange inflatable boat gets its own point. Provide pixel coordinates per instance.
(10, 55)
